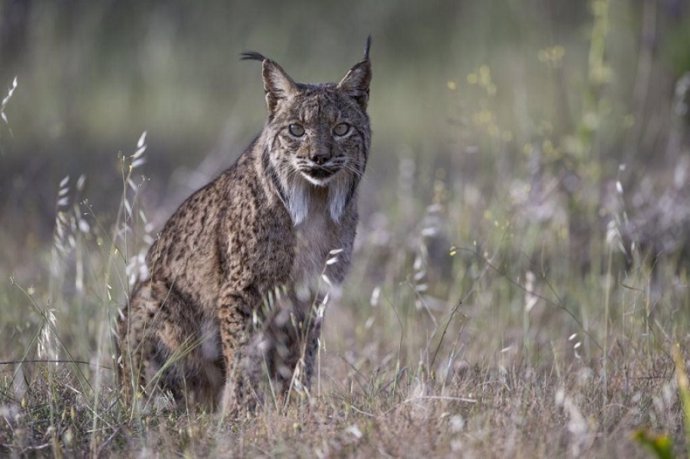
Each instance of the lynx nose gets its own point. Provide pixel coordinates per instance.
(320, 157)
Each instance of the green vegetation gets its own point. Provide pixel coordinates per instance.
(520, 287)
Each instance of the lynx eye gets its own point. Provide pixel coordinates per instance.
(341, 129)
(296, 130)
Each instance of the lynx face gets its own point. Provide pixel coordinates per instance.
(317, 137)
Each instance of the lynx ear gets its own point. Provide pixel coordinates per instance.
(277, 83)
(356, 83)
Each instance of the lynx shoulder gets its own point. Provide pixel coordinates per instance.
(235, 274)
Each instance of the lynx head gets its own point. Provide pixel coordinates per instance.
(316, 136)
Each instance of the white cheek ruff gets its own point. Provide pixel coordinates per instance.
(338, 193)
(299, 194)
(298, 200)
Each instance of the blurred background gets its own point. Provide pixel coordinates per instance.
(525, 211)
(541, 126)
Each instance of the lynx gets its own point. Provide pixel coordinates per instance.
(237, 275)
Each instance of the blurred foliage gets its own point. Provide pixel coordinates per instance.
(499, 96)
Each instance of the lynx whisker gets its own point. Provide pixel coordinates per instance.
(352, 169)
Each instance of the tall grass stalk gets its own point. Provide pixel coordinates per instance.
(683, 390)
(119, 235)
(607, 314)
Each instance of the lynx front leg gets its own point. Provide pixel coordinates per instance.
(294, 332)
(309, 332)
(311, 351)
(234, 320)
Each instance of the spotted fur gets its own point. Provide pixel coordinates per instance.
(235, 274)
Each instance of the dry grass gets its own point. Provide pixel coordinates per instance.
(435, 348)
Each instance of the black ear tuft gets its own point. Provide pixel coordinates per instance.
(356, 83)
(277, 83)
(252, 56)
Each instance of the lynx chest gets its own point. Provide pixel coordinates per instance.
(314, 238)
